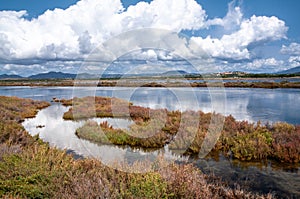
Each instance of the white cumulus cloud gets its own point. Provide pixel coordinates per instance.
(231, 21)
(294, 61)
(64, 35)
(292, 49)
(258, 63)
(167, 14)
(71, 32)
(253, 31)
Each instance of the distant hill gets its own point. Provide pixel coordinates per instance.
(295, 70)
(5, 76)
(53, 75)
(60, 75)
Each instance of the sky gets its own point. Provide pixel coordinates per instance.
(132, 36)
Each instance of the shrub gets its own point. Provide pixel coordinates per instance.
(286, 142)
(149, 185)
(13, 111)
(252, 146)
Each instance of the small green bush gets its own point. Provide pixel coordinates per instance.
(252, 146)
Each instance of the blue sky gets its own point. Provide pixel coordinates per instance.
(59, 35)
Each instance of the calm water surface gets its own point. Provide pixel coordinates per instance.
(243, 103)
(61, 133)
(282, 180)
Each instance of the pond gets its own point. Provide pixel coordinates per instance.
(282, 180)
(52, 128)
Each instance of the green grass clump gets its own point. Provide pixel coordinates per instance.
(35, 173)
(106, 134)
(252, 146)
(149, 185)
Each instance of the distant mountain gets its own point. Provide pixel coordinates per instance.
(295, 70)
(53, 75)
(5, 76)
(60, 75)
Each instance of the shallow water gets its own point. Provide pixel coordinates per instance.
(61, 133)
(243, 103)
(282, 180)
(256, 177)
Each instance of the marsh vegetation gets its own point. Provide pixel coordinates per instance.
(253, 82)
(31, 168)
(156, 128)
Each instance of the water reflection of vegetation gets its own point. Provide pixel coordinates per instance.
(217, 157)
(239, 139)
(29, 168)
